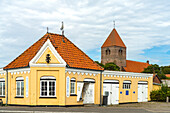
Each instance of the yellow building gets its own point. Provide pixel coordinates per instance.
(53, 71)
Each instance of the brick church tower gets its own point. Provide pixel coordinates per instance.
(114, 50)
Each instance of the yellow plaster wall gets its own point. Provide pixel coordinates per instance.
(156, 87)
(59, 74)
(132, 97)
(72, 100)
(4, 98)
(12, 89)
(41, 60)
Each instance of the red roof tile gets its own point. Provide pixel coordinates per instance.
(167, 75)
(134, 66)
(113, 40)
(72, 55)
(156, 79)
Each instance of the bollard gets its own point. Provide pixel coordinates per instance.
(167, 99)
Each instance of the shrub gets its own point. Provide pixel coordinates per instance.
(161, 94)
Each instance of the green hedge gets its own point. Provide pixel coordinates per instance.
(161, 94)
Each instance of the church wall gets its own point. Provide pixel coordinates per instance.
(114, 56)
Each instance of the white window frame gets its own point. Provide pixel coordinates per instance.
(73, 81)
(126, 84)
(47, 79)
(2, 81)
(19, 80)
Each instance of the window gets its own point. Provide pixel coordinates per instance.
(73, 86)
(20, 87)
(120, 51)
(126, 84)
(2, 87)
(47, 86)
(108, 51)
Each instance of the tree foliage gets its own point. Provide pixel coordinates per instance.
(154, 68)
(100, 64)
(109, 66)
(166, 70)
(161, 94)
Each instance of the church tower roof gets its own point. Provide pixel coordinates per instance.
(113, 40)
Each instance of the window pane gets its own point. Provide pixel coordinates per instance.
(72, 88)
(4, 88)
(22, 88)
(18, 88)
(43, 88)
(0, 88)
(51, 88)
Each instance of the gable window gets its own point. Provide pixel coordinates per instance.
(20, 87)
(72, 86)
(2, 87)
(47, 86)
(126, 84)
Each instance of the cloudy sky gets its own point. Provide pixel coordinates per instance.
(144, 26)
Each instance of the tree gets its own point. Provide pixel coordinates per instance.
(154, 68)
(111, 66)
(166, 70)
(100, 64)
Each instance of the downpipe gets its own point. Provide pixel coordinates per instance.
(6, 87)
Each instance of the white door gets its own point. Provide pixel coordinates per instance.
(145, 94)
(142, 91)
(107, 90)
(88, 93)
(85, 93)
(115, 94)
(79, 90)
(140, 95)
(112, 88)
(91, 93)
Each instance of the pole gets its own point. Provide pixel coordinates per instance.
(101, 88)
(6, 87)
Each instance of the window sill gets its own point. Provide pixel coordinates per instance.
(73, 95)
(19, 97)
(2, 96)
(48, 97)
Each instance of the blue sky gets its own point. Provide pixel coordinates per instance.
(144, 26)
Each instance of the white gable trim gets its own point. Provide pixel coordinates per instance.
(46, 45)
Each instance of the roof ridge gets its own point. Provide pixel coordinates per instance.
(73, 56)
(137, 61)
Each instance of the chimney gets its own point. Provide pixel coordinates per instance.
(147, 61)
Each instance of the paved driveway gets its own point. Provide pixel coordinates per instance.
(151, 107)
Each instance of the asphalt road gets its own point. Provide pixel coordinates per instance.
(124, 108)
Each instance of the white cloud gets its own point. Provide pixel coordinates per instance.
(142, 24)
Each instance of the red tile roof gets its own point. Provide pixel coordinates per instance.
(113, 40)
(167, 75)
(156, 79)
(134, 66)
(72, 55)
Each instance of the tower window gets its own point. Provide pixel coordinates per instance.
(108, 51)
(120, 51)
